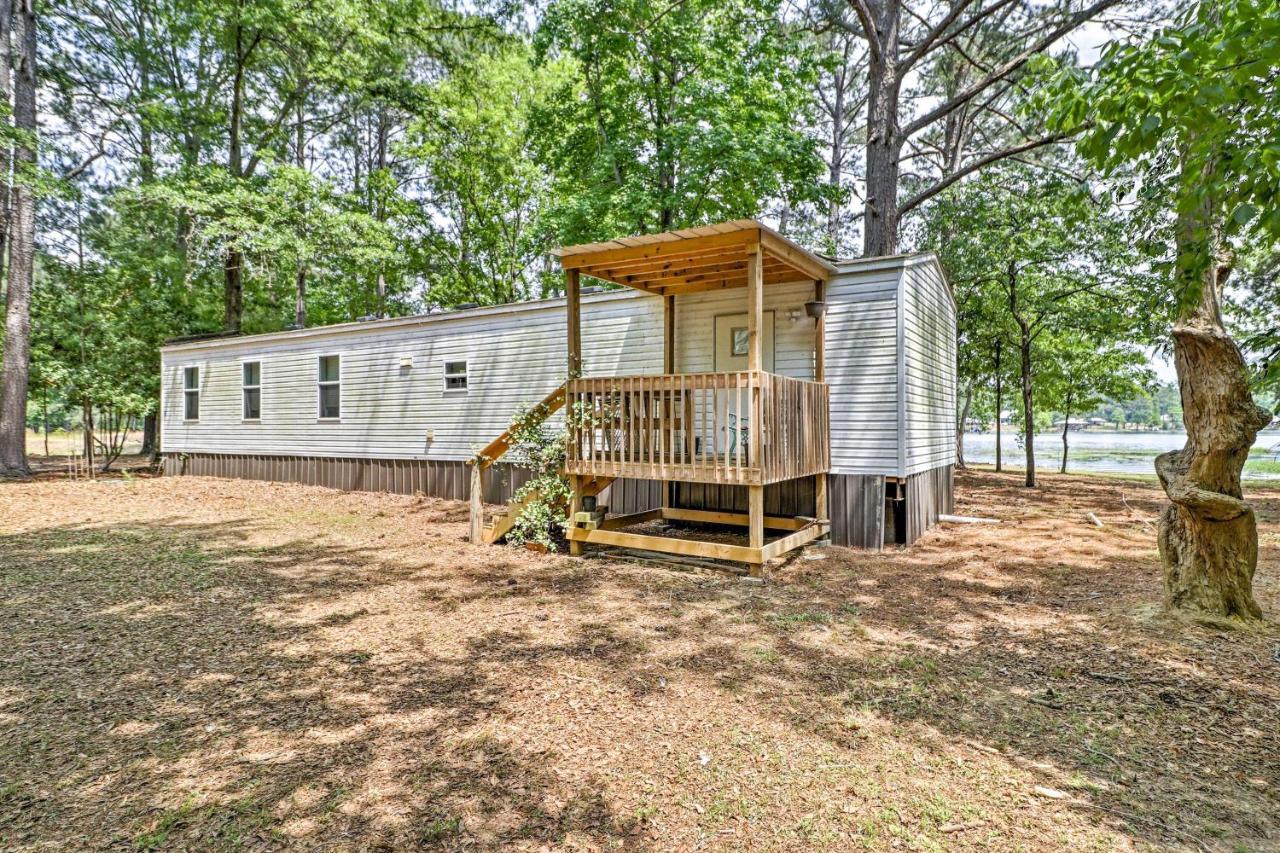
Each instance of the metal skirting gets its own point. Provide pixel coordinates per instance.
(857, 502)
(448, 479)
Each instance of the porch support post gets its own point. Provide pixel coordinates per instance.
(819, 335)
(669, 334)
(820, 507)
(477, 505)
(668, 368)
(755, 347)
(572, 294)
(755, 523)
(755, 363)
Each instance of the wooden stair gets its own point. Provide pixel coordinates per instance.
(498, 525)
(496, 528)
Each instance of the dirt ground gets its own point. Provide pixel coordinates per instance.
(205, 664)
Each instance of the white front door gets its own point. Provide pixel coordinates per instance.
(731, 342)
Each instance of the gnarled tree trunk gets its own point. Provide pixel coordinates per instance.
(1208, 535)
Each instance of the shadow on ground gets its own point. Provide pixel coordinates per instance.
(241, 682)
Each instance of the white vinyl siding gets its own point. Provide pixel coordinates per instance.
(929, 368)
(862, 367)
(394, 403)
(792, 342)
(515, 356)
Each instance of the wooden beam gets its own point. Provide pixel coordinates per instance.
(672, 265)
(628, 520)
(667, 545)
(798, 258)
(733, 519)
(573, 303)
(804, 536)
(684, 246)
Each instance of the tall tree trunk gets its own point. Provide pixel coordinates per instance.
(17, 340)
(1028, 404)
(233, 262)
(961, 421)
(1066, 424)
(148, 434)
(300, 160)
(884, 141)
(1208, 534)
(999, 403)
(836, 167)
(6, 91)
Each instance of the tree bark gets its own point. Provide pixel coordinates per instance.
(149, 434)
(960, 425)
(233, 262)
(17, 341)
(1208, 534)
(1028, 405)
(884, 138)
(1066, 424)
(999, 403)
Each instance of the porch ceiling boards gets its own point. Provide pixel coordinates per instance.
(711, 257)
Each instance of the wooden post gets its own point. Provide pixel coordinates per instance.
(820, 505)
(755, 424)
(755, 350)
(477, 505)
(669, 334)
(573, 302)
(755, 523)
(575, 507)
(668, 368)
(819, 335)
(820, 509)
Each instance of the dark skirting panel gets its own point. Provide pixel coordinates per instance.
(446, 479)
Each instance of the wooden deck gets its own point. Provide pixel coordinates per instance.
(699, 427)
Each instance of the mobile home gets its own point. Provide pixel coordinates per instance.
(733, 375)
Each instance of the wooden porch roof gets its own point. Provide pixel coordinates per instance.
(710, 257)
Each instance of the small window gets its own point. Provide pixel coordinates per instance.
(191, 393)
(740, 340)
(455, 376)
(330, 384)
(251, 386)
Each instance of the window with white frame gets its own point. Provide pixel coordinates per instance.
(191, 393)
(251, 389)
(455, 376)
(330, 387)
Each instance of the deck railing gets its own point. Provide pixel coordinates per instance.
(744, 428)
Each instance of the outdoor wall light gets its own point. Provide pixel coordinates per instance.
(406, 362)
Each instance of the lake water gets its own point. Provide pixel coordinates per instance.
(1117, 452)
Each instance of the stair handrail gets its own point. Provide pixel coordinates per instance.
(498, 448)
